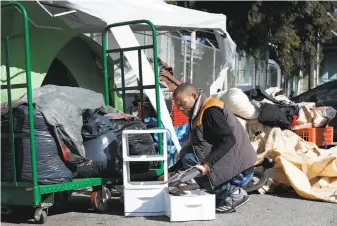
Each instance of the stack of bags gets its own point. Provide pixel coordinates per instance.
(311, 171)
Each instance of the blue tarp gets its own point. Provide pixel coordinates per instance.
(182, 134)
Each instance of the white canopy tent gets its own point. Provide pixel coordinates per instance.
(90, 17)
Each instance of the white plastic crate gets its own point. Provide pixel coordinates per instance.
(143, 198)
(144, 202)
(196, 205)
(127, 158)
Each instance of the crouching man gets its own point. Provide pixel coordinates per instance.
(219, 146)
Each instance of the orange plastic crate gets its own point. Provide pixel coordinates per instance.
(318, 136)
(178, 117)
(308, 134)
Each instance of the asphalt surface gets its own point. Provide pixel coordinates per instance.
(261, 210)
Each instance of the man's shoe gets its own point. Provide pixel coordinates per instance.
(232, 202)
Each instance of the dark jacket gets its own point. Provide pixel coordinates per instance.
(230, 154)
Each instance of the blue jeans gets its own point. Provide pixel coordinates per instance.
(222, 191)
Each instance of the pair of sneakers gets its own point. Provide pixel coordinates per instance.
(232, 202)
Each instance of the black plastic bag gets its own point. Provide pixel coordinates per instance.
(101, 146)
(94, 125)
(105, 151)
(50, 167)
(89, 169)
(21, 120)
(273, 115)
(139, 144)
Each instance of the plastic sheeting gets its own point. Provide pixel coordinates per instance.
(311, 171)
(62, 108)
(164, 16)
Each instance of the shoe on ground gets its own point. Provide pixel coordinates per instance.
(232, 202)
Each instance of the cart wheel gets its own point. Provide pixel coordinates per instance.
(40, 216)
(98, 202)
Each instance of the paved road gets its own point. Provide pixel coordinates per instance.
(262, 210)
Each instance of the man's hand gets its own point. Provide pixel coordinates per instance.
(165, 73)
(203, 168)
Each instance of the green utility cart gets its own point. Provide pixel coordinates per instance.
(41, 197)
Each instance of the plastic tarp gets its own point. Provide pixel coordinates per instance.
(164, 16)
(62, 107)
(92, 16)
(309, 170)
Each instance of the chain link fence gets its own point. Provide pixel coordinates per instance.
(245, 72)
(202, 65)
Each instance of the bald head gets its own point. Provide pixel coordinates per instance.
(185, 96)
(185, 88)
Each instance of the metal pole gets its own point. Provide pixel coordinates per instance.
(37, 197)
(11, 120)
(105, 67)
(254, 75)
(185, 61)
(145, 41)
(317, 66)
(121, 55)
(238, 70)
(191, 67)
(214, 57)
(36, 191)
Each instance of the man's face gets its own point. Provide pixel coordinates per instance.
(185, 102)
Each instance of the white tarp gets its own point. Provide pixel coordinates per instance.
(164, 16)
(158, 12)
(93, 16)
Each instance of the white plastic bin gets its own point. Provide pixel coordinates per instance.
(144, 202)
(196, 205)
(143, 198)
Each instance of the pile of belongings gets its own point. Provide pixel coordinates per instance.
(76, 136)
(272, 108)
(323, 95)
(269, 118)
